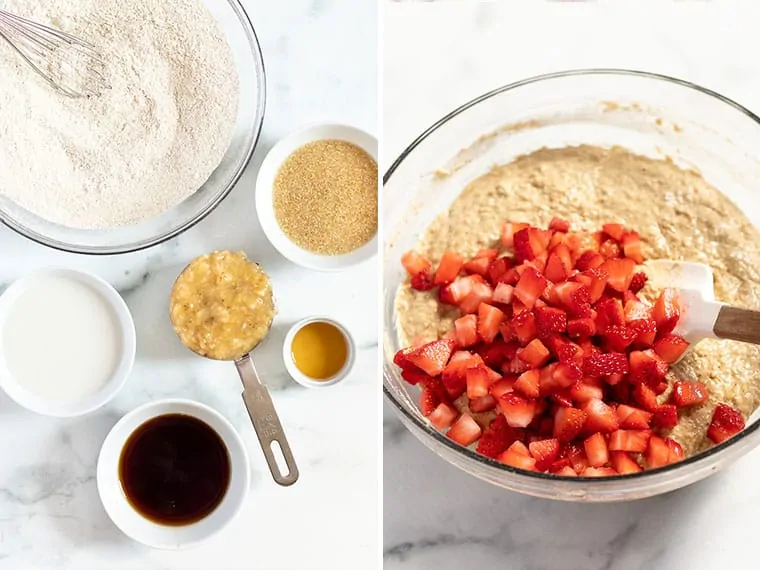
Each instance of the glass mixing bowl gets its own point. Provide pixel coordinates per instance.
(646, 113)
(250, 65)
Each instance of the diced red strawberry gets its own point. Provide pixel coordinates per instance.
(479, 381)
(559, 264)
(524, 325)
(448, 268)
(465, 330)
(657, 454)
(646, 331)
(460, 288)
(414, 263)
(689, 393)
(431, 358)
(498, 268)
(498, 437)
(527, 383)
(495, 353)
(568, 423)
(638, 281)
(414, 376)
(614, 379)
(465, 430)
(503, 293)
(454, 376)
(596, 281)
(666, 311)
(617, 338)
(647, 367)
(599, 417)
(631, 440)
(482, 404)
(401, 358)
(443, 415)
(518, 410)
(615, 231)
(574, 297)
(589, 260)
(489, 253)
(598, 365)
(478, 266)
(489, 319)
(508, 231)
(430, 397)
(623, 463)
(514, 457)
(645, 397)
(631, 243)
(444, 295)
(544, 451)
(620, 273)
(586, 389)
(522, 245)
(481, 293)
(515, 366)
(726, 422)
(559, 225)
(610, 249)
(581, 328)
(507, 331)
(635, 310)
(530, 287)
(520, 448)
(550, 320)
(661, 387)
(511, 276)
(503, 386)
(632, 418)
(665, 416)
(609, 313)
(596, 450)
(675, 450)
(580, 242)
(670, 347)
(566, 374)
(566, 471)
(598, 472)
(535, 354)
(422, 282)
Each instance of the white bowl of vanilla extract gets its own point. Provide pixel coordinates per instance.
(173, 473)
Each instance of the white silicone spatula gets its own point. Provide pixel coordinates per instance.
(701, 315)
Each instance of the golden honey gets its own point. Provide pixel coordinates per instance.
(319, 350)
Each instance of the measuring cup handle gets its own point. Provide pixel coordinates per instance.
(260, 408)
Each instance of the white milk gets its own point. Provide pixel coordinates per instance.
(60, 339)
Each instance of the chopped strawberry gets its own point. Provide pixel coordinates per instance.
(632, 418)
(481, 293)
(498, 437)
(623, 463)
(638, 281)
(589, 260)
(503, 293)
(524, 325)
(645, 397)
(479, 380)
(465, 430)
(489, 319)
(574, 297)
(559, 225)
(459, 289)
(647, 367)
(665, 416)
(422, 282)
(414, 376)
(635, 310)
(415, 264)
(631, 243)
(559, 264)
(610, 249)
(618, 338)
(631, 440)
(550, 320)
(454, 376)
(620, 273)
(544, 451)
(614, 379)
(495, 353)
(646, 331)
(503, 386)
(465, 330)
(598, 365)
(508, 231)
(527, 383)
(431, 396)
(598, 472)
(482, 404)
(444, 295)
(675, 450)
(443, 415)
(599, 417)
(530, 287)
(522, 245)
(581, 242)
(615, 231)
(507, 331)
(726, 422)
(518, 410)
(596, 281)
(610, 313)
(535, 354)
(586, 389)
(581, 328)
(401, 358)
(689, 393)
(657, 454)
(478, 266)
(568, 423)
(498, 268)
(566, 471)
(666, 311)
(431, 358)
(448, 268)
(670, 348)
(514, 457)
(596, 450)
(661, 387)
(566, 374)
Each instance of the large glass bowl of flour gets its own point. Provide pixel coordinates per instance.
(178, 164)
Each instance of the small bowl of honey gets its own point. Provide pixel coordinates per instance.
(319, 352)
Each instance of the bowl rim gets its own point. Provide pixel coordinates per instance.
(699, 458)
(132, 247)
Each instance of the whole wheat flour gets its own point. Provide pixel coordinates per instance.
(141, 147)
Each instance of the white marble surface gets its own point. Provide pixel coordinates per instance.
(436, 57)
(321, 59)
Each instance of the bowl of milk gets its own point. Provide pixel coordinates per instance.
(67, 342)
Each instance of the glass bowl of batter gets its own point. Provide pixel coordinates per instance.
(698, 135)
(208, 172)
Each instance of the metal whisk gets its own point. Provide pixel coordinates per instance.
(69, 64)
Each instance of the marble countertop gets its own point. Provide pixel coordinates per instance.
(438, 56)
(321, 66)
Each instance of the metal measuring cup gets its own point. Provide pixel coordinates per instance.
(256, 397)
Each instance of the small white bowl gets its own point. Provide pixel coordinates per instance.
(265, 209)
(299, 376)
(146, 531)
(36, 403)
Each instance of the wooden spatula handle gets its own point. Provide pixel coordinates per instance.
(738, 324)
